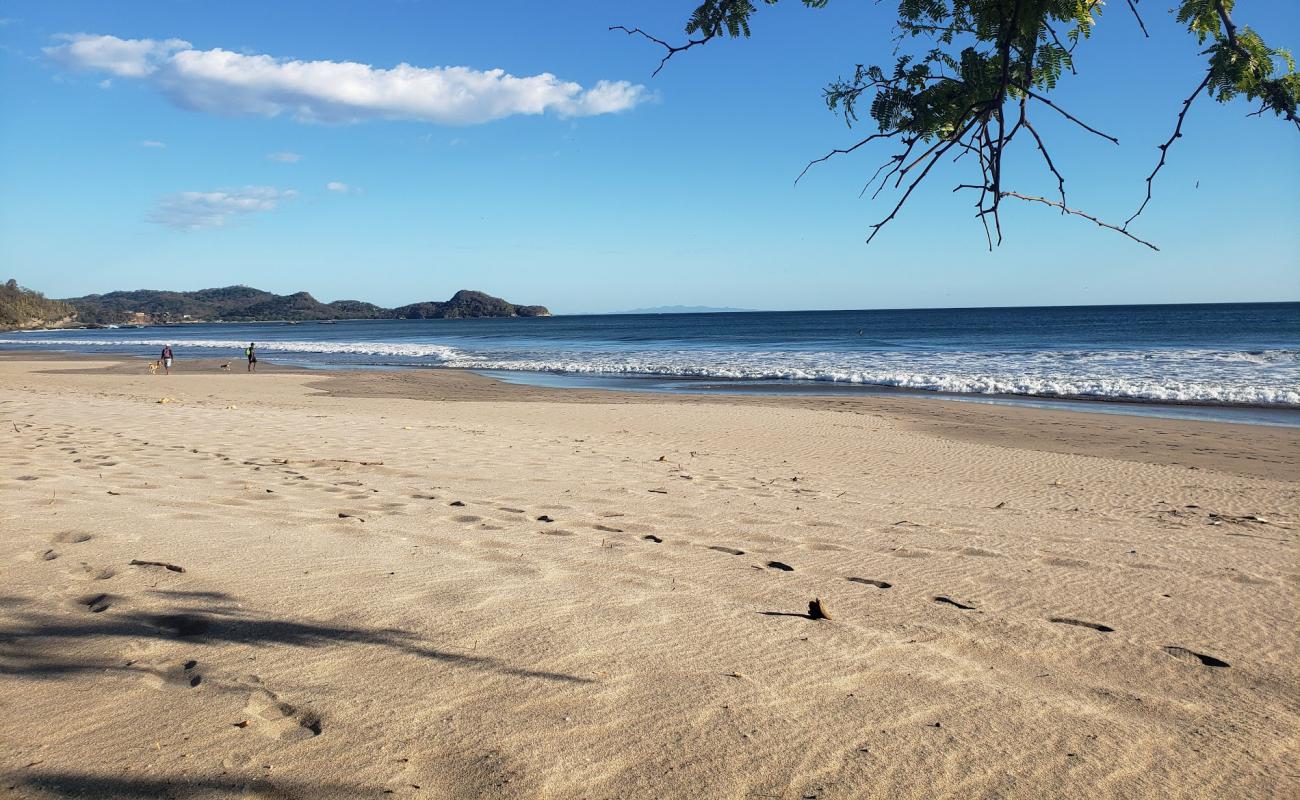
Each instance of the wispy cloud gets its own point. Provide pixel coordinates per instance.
(192, 211)
(338, 186)
(284, 157)
(154, 143)
(225, 82)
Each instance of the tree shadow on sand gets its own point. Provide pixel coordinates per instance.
(26, 644)
(101, 787)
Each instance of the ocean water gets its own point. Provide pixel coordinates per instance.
(1229, 355)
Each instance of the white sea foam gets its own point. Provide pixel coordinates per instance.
(405, 350)
(1257, 377)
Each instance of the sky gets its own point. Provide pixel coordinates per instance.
(398, 150)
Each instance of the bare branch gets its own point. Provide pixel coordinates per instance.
(938, 154)
(1066, 114)
(876, 228)
(1060, 181)
(672, 49)
(1164, 148)
(1132, 6)
(844, 151)
(1077, 213)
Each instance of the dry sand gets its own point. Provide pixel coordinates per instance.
(496, 591)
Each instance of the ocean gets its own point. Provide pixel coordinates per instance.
(1176, 360)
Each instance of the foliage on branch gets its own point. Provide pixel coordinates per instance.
(988, 67)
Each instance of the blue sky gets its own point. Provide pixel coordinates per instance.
(626, 191)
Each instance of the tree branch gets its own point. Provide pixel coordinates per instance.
(1077, 213)
(672, 49)
(1164, 148)
(1066, 114)
(1060, 181)
(1132, 6)
(844, 151)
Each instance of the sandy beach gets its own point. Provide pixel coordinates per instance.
(430, 584)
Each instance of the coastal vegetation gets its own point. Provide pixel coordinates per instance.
(22, 308)
(970, 76)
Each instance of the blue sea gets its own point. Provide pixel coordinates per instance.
(1166, 357)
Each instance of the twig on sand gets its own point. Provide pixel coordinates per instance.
(135, 562)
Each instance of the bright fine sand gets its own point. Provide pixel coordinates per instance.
(497, 591)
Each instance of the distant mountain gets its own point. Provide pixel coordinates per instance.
(465, 304)
(22, 308)
(684, 310)
(246, 304)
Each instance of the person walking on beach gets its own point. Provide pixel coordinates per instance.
(167, 359)
(251, 352)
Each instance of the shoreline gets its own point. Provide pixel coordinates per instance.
(1276, 415)
(1245, 449)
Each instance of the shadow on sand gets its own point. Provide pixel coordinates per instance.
(26, 645)
(102, 787)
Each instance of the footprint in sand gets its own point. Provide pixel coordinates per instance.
(731, 551)
(951, 602)
(98, 573)
(1094, 625)
(871, 582)
(95, 603)
(608, 529)
(467, 519)
(1183, 654)
(556, 532)
(185, 674)
(72, 537)
(270, 716)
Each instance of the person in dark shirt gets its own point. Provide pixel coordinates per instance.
(167, 359)
(251, 352)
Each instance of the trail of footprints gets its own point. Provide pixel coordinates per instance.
(266, 712)
(1178, 652)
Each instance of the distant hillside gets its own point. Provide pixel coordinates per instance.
(246, 304)
(465, 304)
(22, 308)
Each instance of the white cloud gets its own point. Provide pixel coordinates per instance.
(225, 82)
(106, 83)
(197, 210)
(126, 58)
(284, 157)
(154, 144)
(338, 186)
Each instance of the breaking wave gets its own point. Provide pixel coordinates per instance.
(1224, 377)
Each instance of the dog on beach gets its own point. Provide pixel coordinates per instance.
(226, 366)
(154, 366)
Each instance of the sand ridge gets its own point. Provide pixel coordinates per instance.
(376, 596)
